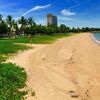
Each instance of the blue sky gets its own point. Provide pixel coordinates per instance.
(73, 13)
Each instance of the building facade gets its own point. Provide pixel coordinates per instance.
(51, 20)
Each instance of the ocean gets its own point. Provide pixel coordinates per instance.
(96, 35)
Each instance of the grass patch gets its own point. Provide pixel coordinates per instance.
(7, 48)
(12, 78)
(38, 39)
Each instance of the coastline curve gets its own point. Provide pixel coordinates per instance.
(94, 39)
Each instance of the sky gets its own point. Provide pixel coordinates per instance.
(72, 13)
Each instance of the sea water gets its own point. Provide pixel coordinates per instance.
(96, 35)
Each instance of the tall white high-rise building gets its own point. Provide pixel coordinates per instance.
(51, 20)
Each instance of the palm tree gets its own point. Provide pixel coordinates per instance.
(9, 21)
(10, 24)
(15, 27)
(1, 17)
(23, 22)
(31, 21)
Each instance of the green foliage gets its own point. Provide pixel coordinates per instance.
(29, 30)
(3, 57)
(30, 22)
(12, 78)
(3, 28)
(63, 28)
(44, 30)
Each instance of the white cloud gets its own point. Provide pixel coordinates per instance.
(41, 7)
(64, 18)
(37, 8)
(67, 12)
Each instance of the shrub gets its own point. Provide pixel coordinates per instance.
(12, 78)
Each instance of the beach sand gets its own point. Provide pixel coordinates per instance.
(68, 69)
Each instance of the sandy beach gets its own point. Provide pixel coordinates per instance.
(68, 69)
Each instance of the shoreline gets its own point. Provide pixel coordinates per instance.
(94, 39)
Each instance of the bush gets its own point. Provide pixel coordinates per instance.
(3, 58)
(12, 78)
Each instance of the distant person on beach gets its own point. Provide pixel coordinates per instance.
(30, 39)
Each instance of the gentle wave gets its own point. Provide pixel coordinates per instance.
(93, 37)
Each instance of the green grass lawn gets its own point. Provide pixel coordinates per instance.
(40, 39)
(7, 48)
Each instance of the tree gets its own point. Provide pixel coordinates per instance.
(1, 17)
(10, 24)
(3, 28)
(68, 29)
(15, 27)
(87, 29)
(31, 22)
(63, 28)
(23, 22)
